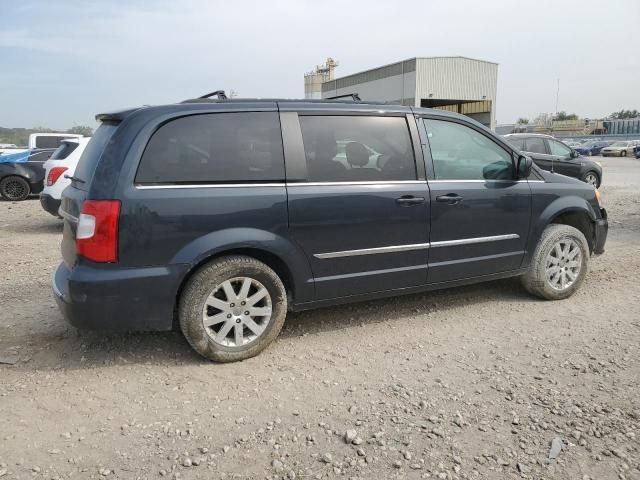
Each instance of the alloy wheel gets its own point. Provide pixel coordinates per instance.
(237, 312)
(592, 180)
(563, 264)
(14, 190)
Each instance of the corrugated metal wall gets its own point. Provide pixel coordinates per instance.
(444, 78)
(457, 78)
(395, 88)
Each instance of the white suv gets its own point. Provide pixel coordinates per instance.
(61, 165)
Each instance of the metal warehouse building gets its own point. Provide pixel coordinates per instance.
(457, 84)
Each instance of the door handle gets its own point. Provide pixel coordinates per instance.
(408, 200)
(450, 198)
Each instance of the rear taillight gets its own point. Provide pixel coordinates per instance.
(54, 175)
(97, 233)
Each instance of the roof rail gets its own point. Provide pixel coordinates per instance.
(218, 93)
(354, 96)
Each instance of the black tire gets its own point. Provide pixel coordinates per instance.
(201, 285)
(14, 188)
(623, 153)
(595, 174)
(535, 280)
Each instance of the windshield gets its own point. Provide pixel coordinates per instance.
(620, 144)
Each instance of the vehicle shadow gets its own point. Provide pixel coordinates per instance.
(73, 349)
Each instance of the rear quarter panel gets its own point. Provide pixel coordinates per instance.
(165, 225)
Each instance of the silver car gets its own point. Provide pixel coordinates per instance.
(618, 149)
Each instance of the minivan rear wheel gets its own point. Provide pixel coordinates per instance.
(559, 263)
(232, 308)
(14, 188)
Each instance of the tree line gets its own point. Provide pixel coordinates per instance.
(20, 136)
(560, 116)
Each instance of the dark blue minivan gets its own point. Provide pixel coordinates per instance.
(221, 215)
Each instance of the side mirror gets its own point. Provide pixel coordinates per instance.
(524, 166)
(574, 154)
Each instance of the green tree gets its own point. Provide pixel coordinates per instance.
(523, 121)
(560, 116)
(81, 130)
(622, 114)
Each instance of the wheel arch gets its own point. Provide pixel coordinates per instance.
(278, 253)
(573, 211)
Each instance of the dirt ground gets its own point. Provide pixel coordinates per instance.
(475, 382)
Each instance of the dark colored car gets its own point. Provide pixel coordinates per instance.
(221, 215)
(554, 156)
(19, 179)
(591, 148)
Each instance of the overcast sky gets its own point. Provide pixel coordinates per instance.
(63, 61)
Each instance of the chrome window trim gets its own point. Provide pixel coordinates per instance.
(469, 241)
(208, 185)
(373, 182)
(319, 184)
(276, 184)
(372, 251)
(483, 181)
(415, 246)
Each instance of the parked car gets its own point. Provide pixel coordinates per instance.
(554, 156)
(618, 149)
(591, 148)
(49, 140)
(22, 173)
(221, 215)
(58, 170)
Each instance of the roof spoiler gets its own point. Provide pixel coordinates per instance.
(116, 116)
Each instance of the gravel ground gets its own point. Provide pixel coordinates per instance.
(475, 382)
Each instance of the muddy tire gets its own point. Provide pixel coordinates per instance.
(232, 308)
(559, 263)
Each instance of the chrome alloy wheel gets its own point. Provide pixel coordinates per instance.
(237, 312)
(563, 264)
(592, 179)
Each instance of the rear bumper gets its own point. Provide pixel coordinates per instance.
(127, 299)
(601, 230)
(50, 204)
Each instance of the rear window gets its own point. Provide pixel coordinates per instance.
(43, 141)
(517, 143)
(215, 148)
(64, 150)
(40, 156)
(535, 145)
(92, 153)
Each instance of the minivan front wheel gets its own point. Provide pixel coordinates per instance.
(559, 263)
(232, 308)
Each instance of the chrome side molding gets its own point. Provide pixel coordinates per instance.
(415, 246)
(469, 241)
(373, 251)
